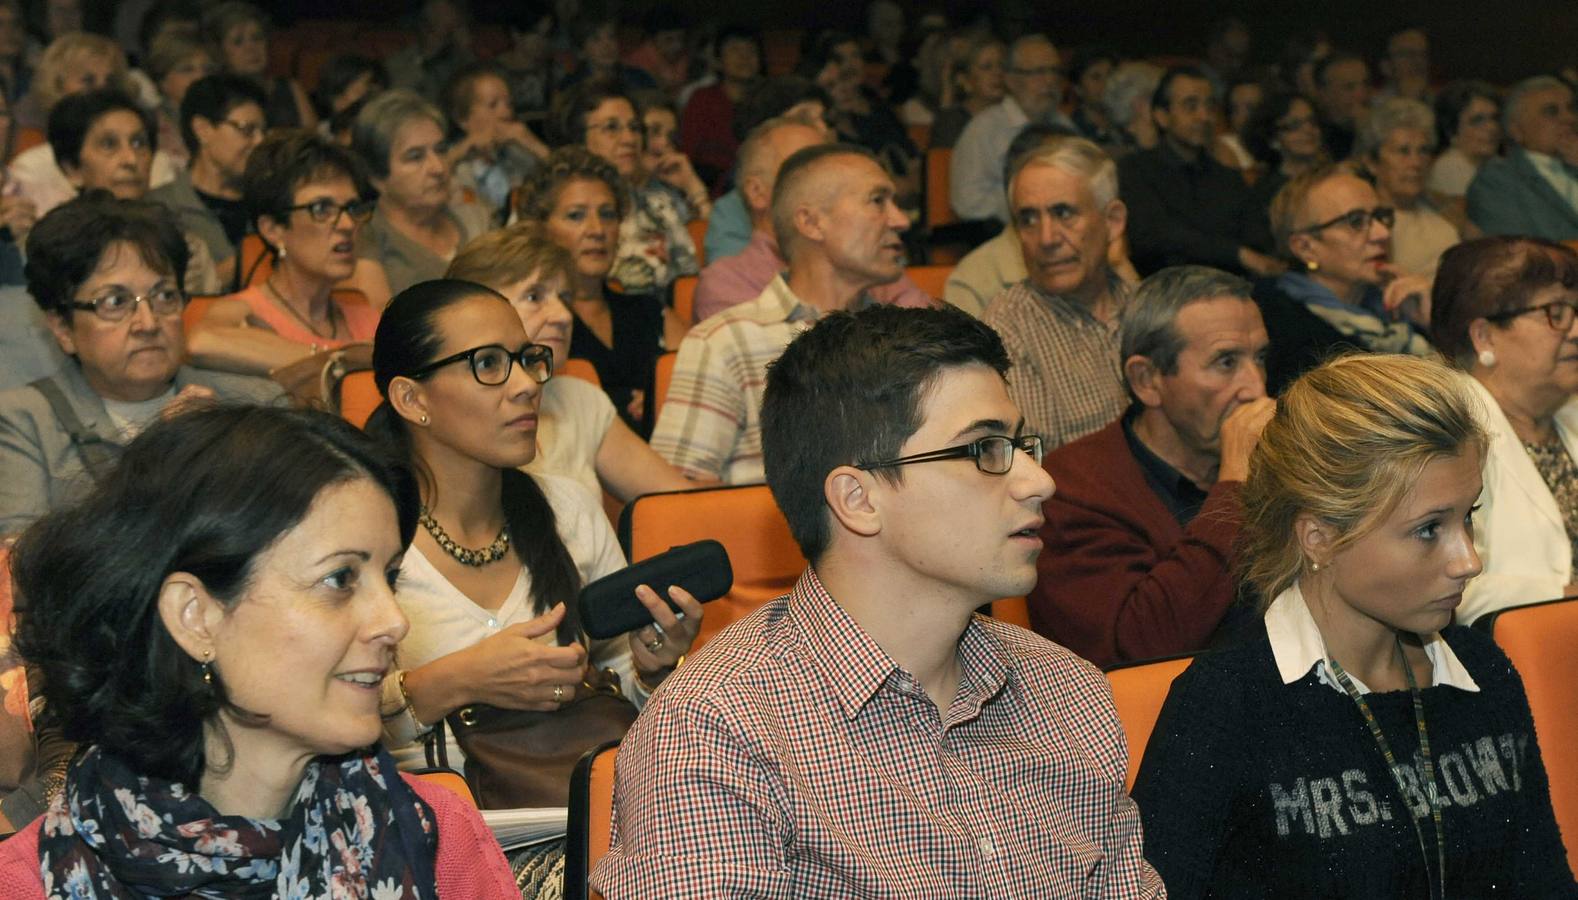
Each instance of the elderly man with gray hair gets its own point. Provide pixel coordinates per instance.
(1533, 190)
(1139, 535)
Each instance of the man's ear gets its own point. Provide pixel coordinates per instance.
(758, 195)
(808, 221)
(190, 614)
(847, 491)
(409, 400)
(1143, 379)
(1117, 215)
(61, 329)
(1316, 538)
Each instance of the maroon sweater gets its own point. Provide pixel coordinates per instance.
(1119, 580)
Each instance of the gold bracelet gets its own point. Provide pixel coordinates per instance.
(405, 698)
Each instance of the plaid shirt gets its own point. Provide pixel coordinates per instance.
(1066, 378)
(711, 424)
(794, 758)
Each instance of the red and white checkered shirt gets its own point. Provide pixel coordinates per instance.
(794, 758)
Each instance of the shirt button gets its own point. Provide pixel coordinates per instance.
(493, 623)
(988, 849)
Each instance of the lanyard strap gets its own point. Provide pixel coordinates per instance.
(1391, 766)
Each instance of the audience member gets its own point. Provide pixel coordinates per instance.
(528, 64)
(1406, 66)
(837, 224)
(107, 275)
(1128, 101)
(1533, 190)
(976, 77)
(1284, 136)
(595, 33)
(1468, 123)
(1342, 92)
(1502, 311)
(1396, 145)
(664, 54)
(307, 198)
(1035, 82)
(1226, 56)
(1337, 720)
(222, 117)
(861, 117)
(1243, 97)
(491, 152)
(1343, 292)
(1187, 207)
(1300, 56)
(884, 37)
(28, 350)
(240, 31)
(421, 222)
(579, 433)
(17, 212)
(920, 90)
(1060, 324)
(817, 720)
(102, 140)
(348, 81)
(175, 62)
(741, 278)
(579, 200)
(1088, 73)
(1139, 536)
(210, 626)
(442, 48)
(705, 129)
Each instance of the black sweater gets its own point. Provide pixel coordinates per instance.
(1253, 788)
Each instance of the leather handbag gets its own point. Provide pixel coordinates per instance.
(523, 758)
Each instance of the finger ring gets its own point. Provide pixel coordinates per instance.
(655, 644)
(558, 693)
(658, 630)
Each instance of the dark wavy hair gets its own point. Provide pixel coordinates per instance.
(65, 247)
(408, 338)
(540, 192)
(204, 493)
(285, 161)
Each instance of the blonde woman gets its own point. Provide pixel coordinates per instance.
(1358, 746)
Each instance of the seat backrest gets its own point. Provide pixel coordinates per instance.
(662, 376)
(1138, 692)
(939, 209)
(698, 236)
(256, 259)
(1541, 639)
(765, 558)
(931, 279)
(590, 822)
(575, 367)
(1012, 610)
(196, 309)
(685, 298)
(27, 139)
(449, 780)
(358, 397)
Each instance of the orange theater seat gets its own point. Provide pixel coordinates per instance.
(358, 397)
(1012, 610)
(449, 780)
(661, 380)
(27, 139)
(575, 367)
(765, 558)
(921, 135)
(257, 261)
(1138, 691)
(698, 236)
(685, 298)
(196, 309)
(1541, 639)
(590, 822)
(939, 209)
(931, 279)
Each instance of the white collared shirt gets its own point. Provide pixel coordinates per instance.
(1297, 646)
(1557, 175)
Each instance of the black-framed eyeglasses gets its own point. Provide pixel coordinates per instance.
(1559, 314)
(1357, 219)
(993, 454)
(114, 306)
(323, 210)
(613, 127)
(491, 364)
(248, 130)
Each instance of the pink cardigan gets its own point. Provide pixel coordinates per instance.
(470, 863)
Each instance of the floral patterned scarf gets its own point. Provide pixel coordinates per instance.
(356, 831)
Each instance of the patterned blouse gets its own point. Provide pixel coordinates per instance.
(1561, 476)
(654, 246)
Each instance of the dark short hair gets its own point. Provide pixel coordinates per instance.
(206, 493)
(215, 97)
(285, 161)
(1162, 97)
(567, 121)
(1453, 99)
(341, 72)
(816, 49)
(774, 96)
(1491, 275)
(460, 91)
(65, 247)
(1261, 130)
(857, 382)
(540, 191)
(74, 116)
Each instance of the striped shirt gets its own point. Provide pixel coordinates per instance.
(794, 758)
(711, 423)
(1066, 378)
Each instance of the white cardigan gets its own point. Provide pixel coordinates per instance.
(1518, 531)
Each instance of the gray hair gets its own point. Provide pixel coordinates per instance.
(373, 133)
(1390, 115)
(1078, 157)
(1521, 91)
(1127, 83)
(1147, 328)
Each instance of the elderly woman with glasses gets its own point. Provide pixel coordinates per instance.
(1468, 120)
(654, 246)
(107, 274)
(1283, 134)
(1503, 313)
(1343, 292)
(307, 198)
(1396, 145)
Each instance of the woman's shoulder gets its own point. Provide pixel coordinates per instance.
(470, 862)
(20, 876)
(1479, 654)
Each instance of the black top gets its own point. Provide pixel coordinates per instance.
(1253, 788)
(1188, 212)
(628, 365)
(281, 111)
(1300, 340)
(1339, 139)
(232, 215)
(1182, 497)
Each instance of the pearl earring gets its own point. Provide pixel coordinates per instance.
(1487, 358)
(1311, 265)
(1314, 566)
(423, 419)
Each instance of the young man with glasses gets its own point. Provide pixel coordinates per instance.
(869, 734)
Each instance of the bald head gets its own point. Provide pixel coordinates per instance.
(761, 156)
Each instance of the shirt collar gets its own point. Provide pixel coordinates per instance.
(854, 666)
(1297, 647)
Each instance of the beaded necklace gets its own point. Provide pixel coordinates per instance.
(1438, 884)
(475, 558)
